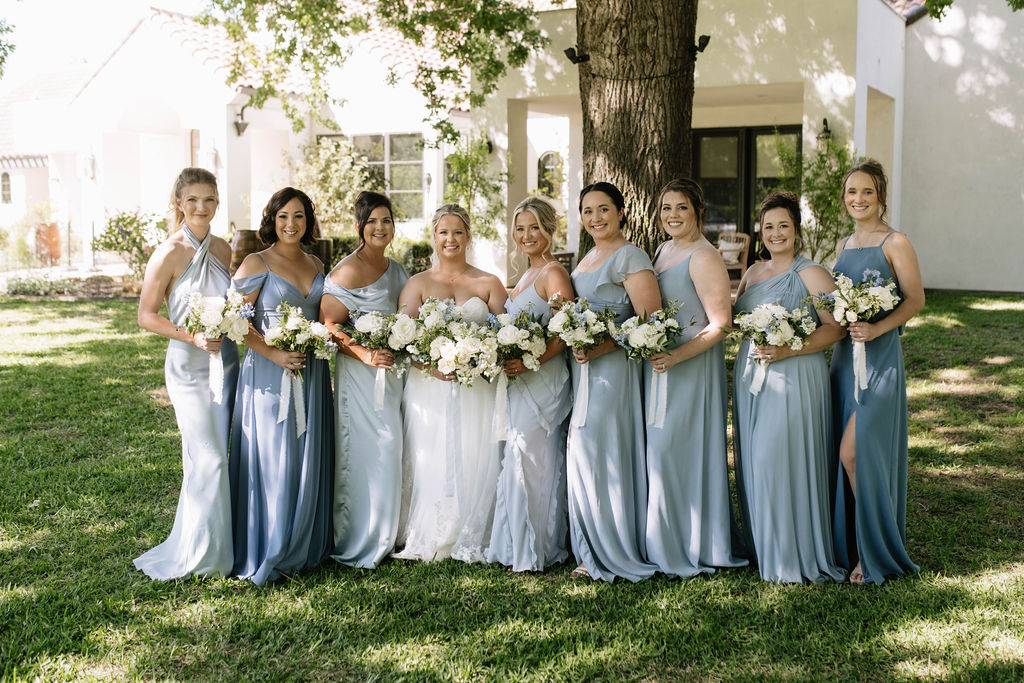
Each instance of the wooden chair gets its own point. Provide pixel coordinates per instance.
(734, 248)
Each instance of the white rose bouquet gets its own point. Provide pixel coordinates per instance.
(851, 303)
(774, 325)
(468, 351)
(376, 331)
(215, 317)
(517, 336)
(435, 316)
(582, 328)
(295, 333)
(645, 338)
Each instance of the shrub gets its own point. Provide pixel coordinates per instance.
(332, 174)
(42, 286)
(471, 184)
(134, 235)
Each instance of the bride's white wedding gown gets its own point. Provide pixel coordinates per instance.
(450, 464)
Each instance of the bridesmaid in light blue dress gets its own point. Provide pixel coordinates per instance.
(282, 470)
(689, 511)
(368, 441)
(530, 521)
(605, 469)
(871, 535)
(783, 434)
(193, 260)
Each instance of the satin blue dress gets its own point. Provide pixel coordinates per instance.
(368, 442)
(872, 531)
(530, 519)
(200, 540)
(783, 441)
(606, 471)
(689, 511)
(281, 483)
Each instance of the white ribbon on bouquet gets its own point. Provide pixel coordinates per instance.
(860, 369)
(378, 389)
(217, 377)
(499, 423)
(760, 370)
(291, 393)
(579, 414)
(657, 400)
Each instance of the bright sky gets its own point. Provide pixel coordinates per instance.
(52, 35)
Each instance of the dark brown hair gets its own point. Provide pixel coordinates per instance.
(268, 229)
(877, 173)
(366, 203)
(780, 200)
(693, 192)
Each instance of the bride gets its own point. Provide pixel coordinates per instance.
(450, 461)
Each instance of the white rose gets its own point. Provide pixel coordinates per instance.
(273, 335)
(403, 331)
(302, 337)
(367, 324)
(239, 328)
(851, 317)
(557, 322)
(319, 330)
(504, 319)
(638, 338)
(434, 320)
(510, 336)
(446, 366)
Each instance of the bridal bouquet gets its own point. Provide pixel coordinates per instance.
(295, 333)
(435, 316)
(645, 337)
(453, 346)
(851, 303)
(582, 328)
(215, 317)
(377, 331)
(774, 325)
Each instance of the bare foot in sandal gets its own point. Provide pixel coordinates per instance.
(857, 575)
(579, 572)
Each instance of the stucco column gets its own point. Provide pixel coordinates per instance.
(518, 155)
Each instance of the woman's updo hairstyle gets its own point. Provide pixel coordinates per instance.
(366, 203)
(877, 173)
(451, 210)
(188, 176)
(778, 199)
(547, 217)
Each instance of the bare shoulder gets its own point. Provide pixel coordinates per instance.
(253, 264)
(317, 263)
(707, 257)
(347, 272)
(817, 279)
(897, 241)
(220, 248)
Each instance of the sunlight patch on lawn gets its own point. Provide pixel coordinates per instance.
(941, 319)
(958, 382)
(998, 305)
(997, 360)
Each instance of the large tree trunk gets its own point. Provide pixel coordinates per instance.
(637, 97)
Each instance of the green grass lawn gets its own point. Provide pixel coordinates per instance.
(90, 468)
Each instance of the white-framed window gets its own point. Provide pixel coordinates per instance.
(5, 187)
(396, 166)
(550, 174)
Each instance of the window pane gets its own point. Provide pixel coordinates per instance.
(370, 146)
(719, 157)
(550, 175)
(407, 177)
(406, 147)
(408, 205)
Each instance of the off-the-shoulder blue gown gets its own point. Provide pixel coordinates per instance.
(530, 521)
(368, 442)
(281, 483)
(689, 512)
(606, 470)
(783, 441)
(874, 530)
(200, 540)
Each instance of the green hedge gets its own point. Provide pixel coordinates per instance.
(413, 254)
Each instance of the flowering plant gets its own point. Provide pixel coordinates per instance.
(645, 338)
(519, 336)
(775, 325)
(374, 330)
(219, 316)
(850, 303)
(295, 333)
(578, 325)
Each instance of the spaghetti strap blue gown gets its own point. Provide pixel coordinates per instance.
(200, 540)
(368, 442)
(783, 441)
(872, 529)
(689, 511)
(281, 483)
(530, 522)
(606, 472)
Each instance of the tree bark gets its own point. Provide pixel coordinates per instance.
(637, 96)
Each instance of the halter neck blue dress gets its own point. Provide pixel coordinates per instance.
(281, 484)
(530, 522)
(368, 442)
(689, 511)
(872, 531)
(783, 441)
(606, 470)
(200, 540)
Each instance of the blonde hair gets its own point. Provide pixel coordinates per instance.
(188, 176)
(450, 210)
(547, 217)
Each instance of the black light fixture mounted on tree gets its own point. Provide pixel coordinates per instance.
(576, 58)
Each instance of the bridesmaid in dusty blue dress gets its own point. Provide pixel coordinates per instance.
(282, 471)
(605, 469)
(193, 260)
(530, 522)
(689, 512)
(368, 441)
(783, 435)
(871, 535)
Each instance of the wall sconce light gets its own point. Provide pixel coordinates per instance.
(825, 136)
(576, 58)
(240, 123)
(701, 45)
